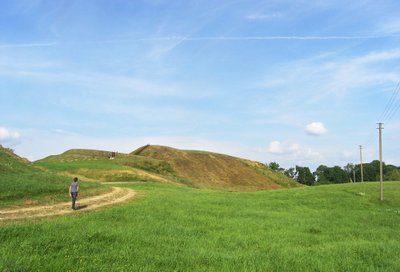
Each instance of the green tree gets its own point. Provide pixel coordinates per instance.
(320, 174)
(393, 175)
(325, 174)
(304, 176)
(349, 169)
(338, 175)
(371, 171)
(275, 166)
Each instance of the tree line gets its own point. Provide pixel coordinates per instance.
(336, 174)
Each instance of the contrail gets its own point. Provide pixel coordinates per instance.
(27, 45)
(249, 38)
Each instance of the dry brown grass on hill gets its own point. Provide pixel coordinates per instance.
(212, 170)
(165, 164)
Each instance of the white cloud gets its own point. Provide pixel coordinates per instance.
(7, 136)
(276, 147)
(316, 128)
(289, 153)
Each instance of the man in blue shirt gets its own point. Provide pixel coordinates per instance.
(73, 191)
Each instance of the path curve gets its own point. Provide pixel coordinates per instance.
(117, 195)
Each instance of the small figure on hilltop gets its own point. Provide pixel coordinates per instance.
(112, 156)
(73, 191)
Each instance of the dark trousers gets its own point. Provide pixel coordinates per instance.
(73, 197)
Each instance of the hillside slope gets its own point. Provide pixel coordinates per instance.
(24, 184)
(168, 165)
(97, 165)
(212, 170)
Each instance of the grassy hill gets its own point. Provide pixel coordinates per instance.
(24, 184)
(212, 170)
(96, 165)
(177, 228)
(168, 165)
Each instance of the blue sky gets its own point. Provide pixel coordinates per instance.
(296, 82)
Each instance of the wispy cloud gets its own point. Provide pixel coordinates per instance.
(332, 75)
(160, 50)
(391, 26)
(121, 86)
(264, 16)
(377, 56)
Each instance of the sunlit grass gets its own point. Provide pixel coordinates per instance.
(23, 184)
(168, 228)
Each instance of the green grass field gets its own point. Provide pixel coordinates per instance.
(170, 228)
(22, 183)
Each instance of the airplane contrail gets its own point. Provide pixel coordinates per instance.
(244, 38)
(27, 45)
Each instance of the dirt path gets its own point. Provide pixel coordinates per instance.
(117, 195)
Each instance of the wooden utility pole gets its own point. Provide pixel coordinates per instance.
(361, 165)
(380, 157)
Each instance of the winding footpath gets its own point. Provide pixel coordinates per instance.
(117, 195)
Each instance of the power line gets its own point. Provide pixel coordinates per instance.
(392, 106)
(389, 105)
(393, 112)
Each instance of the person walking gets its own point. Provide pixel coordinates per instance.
(73, 191)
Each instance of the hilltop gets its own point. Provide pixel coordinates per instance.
(199, 169)
(107, 166)
(213, 170)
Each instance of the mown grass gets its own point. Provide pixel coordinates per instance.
(123, 169)
(23, 184)
(58, 166)
(169, 228)
(125, 162)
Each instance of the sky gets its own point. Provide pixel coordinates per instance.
(295, 82)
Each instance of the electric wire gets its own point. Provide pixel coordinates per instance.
(395, 108)
(390, 110)
(390, 105)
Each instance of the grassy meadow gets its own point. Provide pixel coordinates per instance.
(22, 183)
(171, 228)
